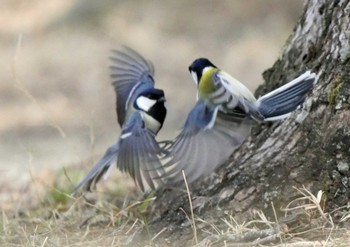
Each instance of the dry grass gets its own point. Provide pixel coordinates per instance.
(304, 224)
(46, 215)
(57, 219)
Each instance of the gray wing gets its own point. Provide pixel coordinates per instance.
(138, 153)
(130, 72)
(233, 96)
(101, 167)
(203, 143)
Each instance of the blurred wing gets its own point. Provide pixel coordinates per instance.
(130, 74)
(138, 153)
(207, 140)
(95, 174)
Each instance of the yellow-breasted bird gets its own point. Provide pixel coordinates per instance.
(222, 118)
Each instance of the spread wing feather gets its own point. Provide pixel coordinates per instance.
(130, 72)
(100, 169)
(201, 147)
(138, 153)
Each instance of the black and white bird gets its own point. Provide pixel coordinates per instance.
(222, 119)
(141, 113)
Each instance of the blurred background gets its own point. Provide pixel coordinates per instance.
(57, 106)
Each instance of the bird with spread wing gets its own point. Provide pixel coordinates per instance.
(141, 114)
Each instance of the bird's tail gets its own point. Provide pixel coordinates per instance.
(101, 169)
(279, 103)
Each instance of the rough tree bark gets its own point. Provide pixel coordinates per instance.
(309, 149)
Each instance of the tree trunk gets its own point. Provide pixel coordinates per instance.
(309, 149)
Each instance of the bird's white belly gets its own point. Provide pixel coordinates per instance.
(151, 123)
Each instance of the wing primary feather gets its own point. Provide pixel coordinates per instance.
(131, 57)
(148, 63)
(137, 165)
(132, 64)
(191, 158)
(119, 69)
(95, 174)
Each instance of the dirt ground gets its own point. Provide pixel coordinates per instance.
(58, 108)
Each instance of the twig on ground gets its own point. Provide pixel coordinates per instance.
(160, 232)
(191, 208)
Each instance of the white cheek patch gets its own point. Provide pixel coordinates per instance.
(206, 69)
(194, 76)
(145, 103)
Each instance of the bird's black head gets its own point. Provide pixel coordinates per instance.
(151, 101)
(197, 67)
